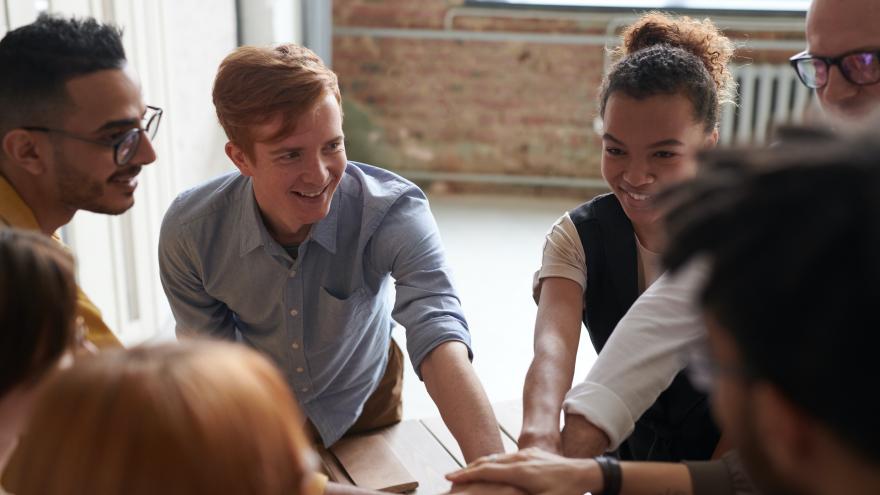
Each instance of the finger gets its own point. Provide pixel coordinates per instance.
(493, 458)
(487, 472)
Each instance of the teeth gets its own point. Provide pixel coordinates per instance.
(311, 194)
(639, 197)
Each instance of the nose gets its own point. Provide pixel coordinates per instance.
(638, 173)
(837, 90)
(145, 153)
(315, 172)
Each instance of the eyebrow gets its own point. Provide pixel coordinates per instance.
(115, 124)
(666, 142)
(658, 144)
(284, 150)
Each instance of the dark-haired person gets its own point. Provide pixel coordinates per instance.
(842, 62)
(788, 296)
(74, 131)
(38, 298)
(660, 104)
(297, 254)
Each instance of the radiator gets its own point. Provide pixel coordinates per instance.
(769, 95)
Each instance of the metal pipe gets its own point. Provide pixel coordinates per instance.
(501, 36)
(503, 179)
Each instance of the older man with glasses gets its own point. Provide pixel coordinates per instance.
(74, 131)
(842, 59)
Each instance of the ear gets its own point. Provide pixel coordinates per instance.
(240, 159)
(789, 436)
(24, 150)
(712, 139)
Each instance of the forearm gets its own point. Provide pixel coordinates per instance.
(655, 478)
(464, 407)
(548, 379)
(557, 330)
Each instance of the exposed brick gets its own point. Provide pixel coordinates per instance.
(499, 107)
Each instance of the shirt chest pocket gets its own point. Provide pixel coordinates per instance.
(340, 318)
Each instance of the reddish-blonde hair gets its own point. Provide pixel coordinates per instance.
(188, 418)
(256, 84)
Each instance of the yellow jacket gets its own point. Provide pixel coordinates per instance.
(15, 213)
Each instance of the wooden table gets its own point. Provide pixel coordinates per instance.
(425, 448)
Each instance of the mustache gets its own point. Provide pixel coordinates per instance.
(129, 171)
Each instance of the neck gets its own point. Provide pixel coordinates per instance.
(286, 235)
(13, 408)
(50, 214)
(652, 237)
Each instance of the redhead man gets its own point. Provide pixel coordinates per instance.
(298, 251)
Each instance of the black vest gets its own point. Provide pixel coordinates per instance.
(679, 424)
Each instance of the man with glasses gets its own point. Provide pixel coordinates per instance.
(842, 59)
(74, 131)
(663, 332)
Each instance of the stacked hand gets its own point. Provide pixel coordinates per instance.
(533, 471)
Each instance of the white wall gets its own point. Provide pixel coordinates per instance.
(175, 46)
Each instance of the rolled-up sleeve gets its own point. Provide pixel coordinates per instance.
(652, 343)
(195, 311)
(426, 303)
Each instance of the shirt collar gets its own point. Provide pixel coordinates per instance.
(13, 210)
(324, 232)
(254, 233)
(251, 222)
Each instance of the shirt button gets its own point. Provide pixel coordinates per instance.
(293, 312)
(304, 389)
(295, 345)
(299, 370)
(292, 274)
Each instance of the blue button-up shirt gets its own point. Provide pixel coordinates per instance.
(324, 318)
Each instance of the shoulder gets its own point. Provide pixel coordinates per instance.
(375, 184)
(600, 205)
(377, 191)
(210, 200)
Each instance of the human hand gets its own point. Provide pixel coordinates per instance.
(581, 438)
(534, 471)
(485, 489)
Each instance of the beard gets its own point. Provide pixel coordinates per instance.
(758, 463)
(79, 191)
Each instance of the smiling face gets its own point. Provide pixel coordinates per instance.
(649, 144)
(836, 27)
(295, 176)
(104, 105)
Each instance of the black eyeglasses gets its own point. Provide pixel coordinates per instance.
(126, 145)
(860, 68)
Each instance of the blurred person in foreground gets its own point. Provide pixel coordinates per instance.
(192, 418)
(38, 325)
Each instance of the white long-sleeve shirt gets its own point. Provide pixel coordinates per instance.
(661, 333)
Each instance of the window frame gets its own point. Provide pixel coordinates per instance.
(752, 7)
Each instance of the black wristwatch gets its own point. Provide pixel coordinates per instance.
(612, 478)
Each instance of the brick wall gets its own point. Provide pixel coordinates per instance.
(513, 107)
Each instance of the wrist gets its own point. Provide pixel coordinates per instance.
(590, 478)
(612, 475)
